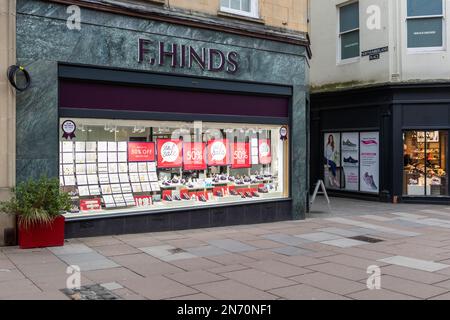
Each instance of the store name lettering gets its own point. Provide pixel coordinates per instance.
(184, 56)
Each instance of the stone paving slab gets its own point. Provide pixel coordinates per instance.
(206, 251)
(411, 288)
(195, 277)
(277, 268)
(231, 245)
(339, 270)
(157, 287)
(305, 292)
(382, 294)
(318, 236)
(259, 279)
(423, 265)
(344, 243)
(312, 259)
(291, 251)
(232, 290)
(330, 283)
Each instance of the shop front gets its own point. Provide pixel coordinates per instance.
(150, 131)
(387, 143)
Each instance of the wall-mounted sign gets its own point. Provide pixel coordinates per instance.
(170, 153)
(374, 51)
(141, 151)
(186, 56)
(374, 57)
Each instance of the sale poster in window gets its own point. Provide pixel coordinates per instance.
(369, 156)
(170, 153)
(265, 152)
(240, 155)
(90, 204)
(194, 156)
(141, 151)
(350, 160)
(218, 153)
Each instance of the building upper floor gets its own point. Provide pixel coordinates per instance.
(357, 43)
(284, 15)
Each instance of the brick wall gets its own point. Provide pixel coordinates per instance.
(289, 14)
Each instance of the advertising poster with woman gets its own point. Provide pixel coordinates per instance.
(332, 160)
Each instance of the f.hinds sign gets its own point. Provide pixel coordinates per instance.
(183, 56)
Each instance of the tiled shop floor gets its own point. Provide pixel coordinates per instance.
(324, 257)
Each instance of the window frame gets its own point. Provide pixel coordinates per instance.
(413, 50)
(339, 59)
(254, 10)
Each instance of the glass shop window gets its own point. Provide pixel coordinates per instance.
(425, 163)
(114, 166)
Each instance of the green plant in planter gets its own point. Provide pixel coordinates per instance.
(37, 202)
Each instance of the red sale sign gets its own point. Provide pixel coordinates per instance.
(170, 153)
(90, 205)
(141, 151)
(265, 152)
(240, 155)
(194, 156)
(218, 153)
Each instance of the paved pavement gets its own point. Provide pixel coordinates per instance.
(324, 257)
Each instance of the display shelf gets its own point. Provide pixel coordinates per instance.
(164, 205)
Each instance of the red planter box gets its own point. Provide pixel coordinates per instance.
(41, 236)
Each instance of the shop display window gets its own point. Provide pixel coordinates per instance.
(125, 166)
(425, 163)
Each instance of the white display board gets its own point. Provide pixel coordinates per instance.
(370, 162)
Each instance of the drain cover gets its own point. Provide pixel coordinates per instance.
(91, 292)
(366, 239)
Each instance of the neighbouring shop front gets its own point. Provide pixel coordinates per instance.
(387, 143)
(150, 131)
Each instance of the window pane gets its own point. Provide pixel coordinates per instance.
(236, 4)
(225, 3)
(246, 5)
(414, 163)
(436, 163)
(425, 32)
(424, 7)
(350, 45)
(349, 17)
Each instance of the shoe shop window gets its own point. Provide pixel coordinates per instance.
(127, 166)
(425, 163)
